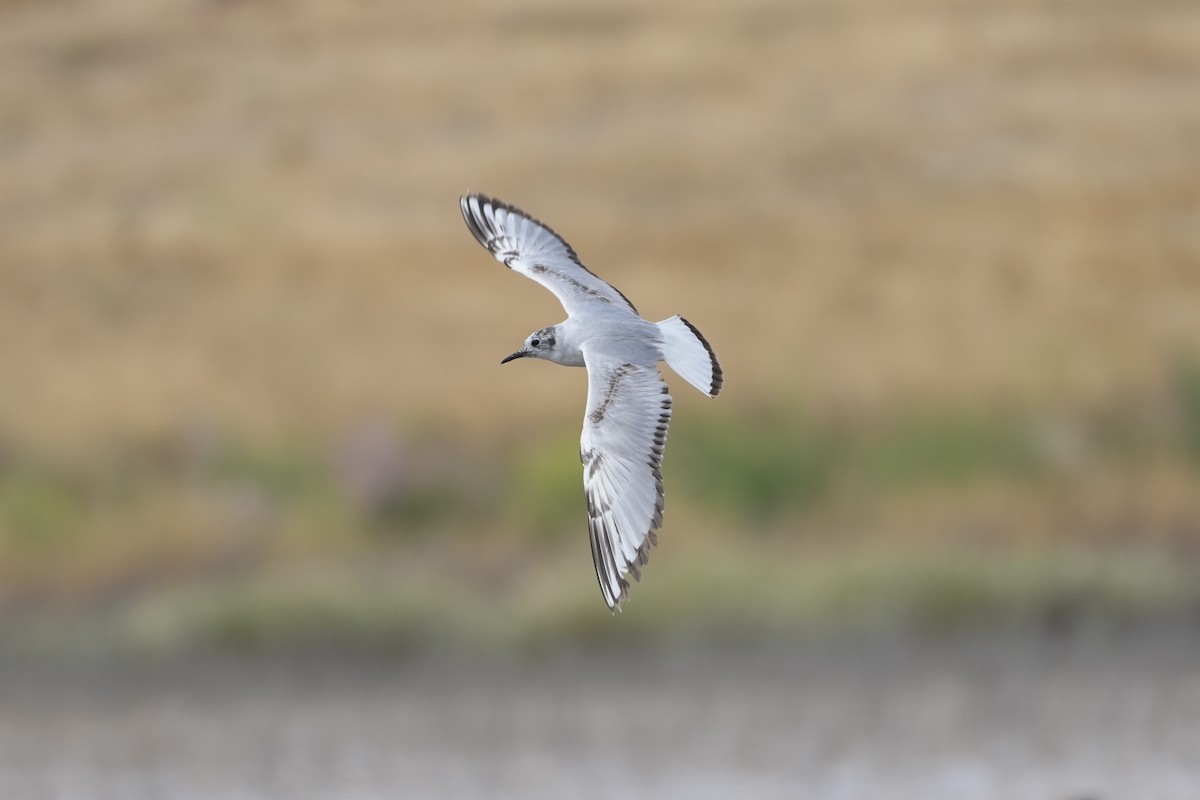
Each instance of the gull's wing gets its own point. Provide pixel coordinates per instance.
(523, 244)
(624, 433)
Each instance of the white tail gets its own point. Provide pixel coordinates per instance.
(686, 351)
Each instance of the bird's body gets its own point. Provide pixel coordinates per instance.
(638, 339)
(628, 407)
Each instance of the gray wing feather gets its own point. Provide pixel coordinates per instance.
(624, 434)
(530, 247)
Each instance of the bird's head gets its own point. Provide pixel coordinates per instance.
(539, 344)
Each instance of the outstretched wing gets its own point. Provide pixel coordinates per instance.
(624, 433)
(523, 244)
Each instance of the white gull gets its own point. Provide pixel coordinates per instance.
(628, 407)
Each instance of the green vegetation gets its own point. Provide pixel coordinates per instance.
(948, 448)
(761, 469)
(247, 549)
(1188, 389)
(756, 469)
(706, 594)
(749, 473)
(543, 492)
(39, 509)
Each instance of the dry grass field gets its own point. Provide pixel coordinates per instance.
(230, 255)
(241, 214)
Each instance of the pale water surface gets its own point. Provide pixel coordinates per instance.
(1030, 716)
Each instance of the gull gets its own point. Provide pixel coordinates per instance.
(628, 407)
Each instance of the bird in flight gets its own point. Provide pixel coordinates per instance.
(628, 407)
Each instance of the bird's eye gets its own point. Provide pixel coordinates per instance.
(534, 342)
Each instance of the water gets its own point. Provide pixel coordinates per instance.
(1113, 716)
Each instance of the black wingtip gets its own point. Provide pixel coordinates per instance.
(718, 374)
(475, 221)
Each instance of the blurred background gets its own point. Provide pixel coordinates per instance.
(256, 447)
